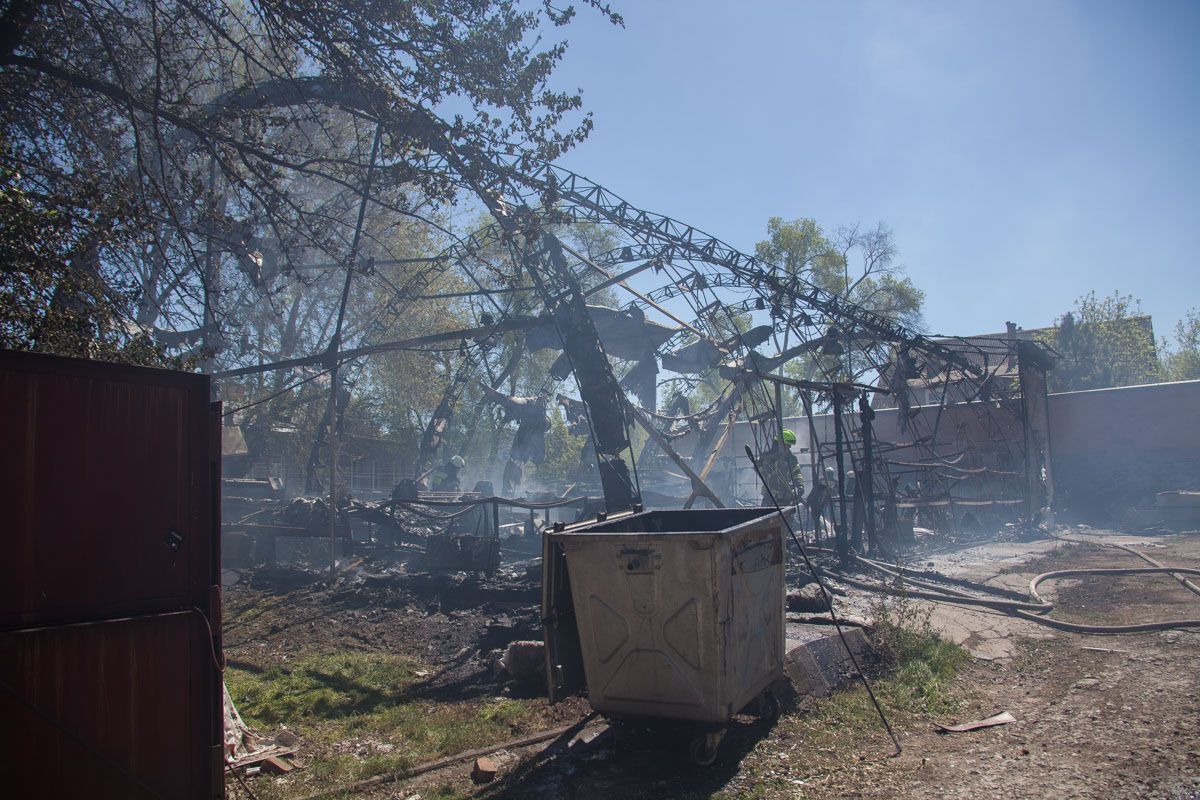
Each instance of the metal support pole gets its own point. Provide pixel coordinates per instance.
(333, 431)
(842, 544)
(779, 433)
(335, 346)
(867, 481)
(779, 408)
(814, 464)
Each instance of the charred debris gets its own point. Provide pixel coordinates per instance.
(827, 435)
(899, 437)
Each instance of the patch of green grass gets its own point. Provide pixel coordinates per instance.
(365, 697)
(921, 669)
(756, 792)
(447, 728)
(918, 665)
(445, 792)
(332, 769)
(380, 763)
(319, 688)
(913, 675)
(505, 712)
(347, 694)
(242, 615)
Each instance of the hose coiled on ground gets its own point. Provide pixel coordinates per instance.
(1034, 608)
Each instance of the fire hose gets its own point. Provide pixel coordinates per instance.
(1035, 608)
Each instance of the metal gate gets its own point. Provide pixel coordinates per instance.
(109, 608)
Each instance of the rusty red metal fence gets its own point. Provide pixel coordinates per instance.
(110, 681)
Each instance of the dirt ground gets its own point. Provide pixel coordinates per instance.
(1097, 716)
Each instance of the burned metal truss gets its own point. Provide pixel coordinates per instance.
(542, 283)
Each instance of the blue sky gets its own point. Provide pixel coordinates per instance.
(1023, 152)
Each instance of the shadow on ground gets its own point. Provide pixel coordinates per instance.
(627, 762)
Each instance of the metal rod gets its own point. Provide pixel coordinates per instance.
(842, 544)
(819, 386)
(510, 324)
(814, 461)
(335, 345)
(511, 289)
(867, 481)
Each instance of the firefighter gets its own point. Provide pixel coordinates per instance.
(449, 480)
(782, 476)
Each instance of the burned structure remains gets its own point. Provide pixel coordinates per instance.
(443, 465)
(956, 421)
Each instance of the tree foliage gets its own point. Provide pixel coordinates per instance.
(229, 142)
(52, 295)
(853, 262)
(562, 454)
(856, 263)
(1103, 342)
(183, 181)
(1182, 361)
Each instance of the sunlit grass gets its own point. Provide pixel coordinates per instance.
(912, 671)
(366, 698)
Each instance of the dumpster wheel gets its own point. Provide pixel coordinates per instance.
(768, 706)
(704, 746)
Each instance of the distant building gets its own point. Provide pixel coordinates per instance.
(1072, 346)
(928, 382)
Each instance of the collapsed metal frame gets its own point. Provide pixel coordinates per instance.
(716, 281)
(1003, 464)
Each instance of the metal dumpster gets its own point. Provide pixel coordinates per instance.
(674, 615)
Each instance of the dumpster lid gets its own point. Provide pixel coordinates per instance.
(683, 521)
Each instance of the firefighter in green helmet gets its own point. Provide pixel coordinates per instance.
(781, 472)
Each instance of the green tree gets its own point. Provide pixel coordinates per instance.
(856, 263)
(562, 453)
(1103, 342)
(853, 262)
(235, 136)
(53, 298)
(1182, 363)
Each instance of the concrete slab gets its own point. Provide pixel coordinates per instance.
(986, 634)
(817, 662)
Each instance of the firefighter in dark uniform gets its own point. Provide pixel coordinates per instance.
(782, 476)
(449, 480)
